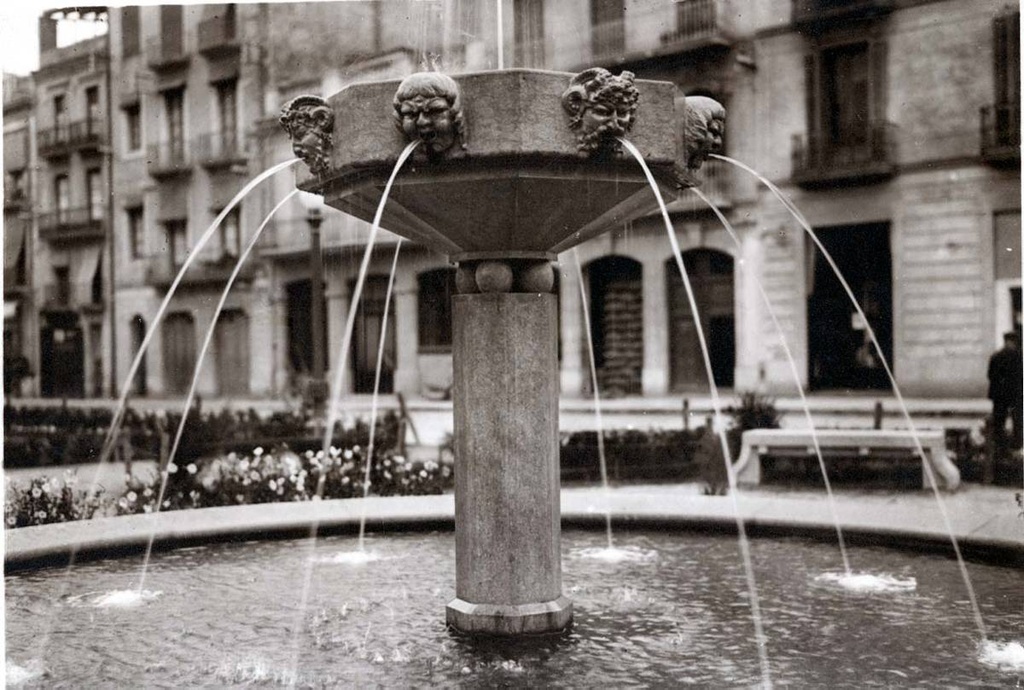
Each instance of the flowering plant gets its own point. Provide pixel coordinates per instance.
(48, 499)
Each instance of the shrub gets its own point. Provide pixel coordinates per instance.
(755, 411)
(48, 500)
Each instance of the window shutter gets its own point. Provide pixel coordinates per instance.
(812, 91)
(878, 59)
(999, 55)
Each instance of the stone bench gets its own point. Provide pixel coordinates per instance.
(844, 443)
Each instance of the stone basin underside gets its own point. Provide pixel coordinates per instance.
(504, 208)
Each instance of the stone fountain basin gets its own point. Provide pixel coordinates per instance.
(518, 189)
(226, 613)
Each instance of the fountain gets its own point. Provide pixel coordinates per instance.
(505, 171)
(513, 168)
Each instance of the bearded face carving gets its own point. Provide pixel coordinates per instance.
(602, 107)
(309, 121)
(428, 108)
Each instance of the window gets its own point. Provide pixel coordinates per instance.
(93, 117)
(846, 94)
(177, 241)
(135, 231)
(60, 110)
(174, 110)
(129, 31)
(16, 184)
(1006, 52)
(133, 126)
(529, 33)
(62, 196)
(62, 283)
(96, 287)
(94, 189)
(607, 31)
(227, 115)
(435, 309)
(231, 234)
(172, 30)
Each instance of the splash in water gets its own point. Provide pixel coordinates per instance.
(359, 557)
(124, 598)
(1005, 656)
(867, 583)
(619, 554)
(15, 674)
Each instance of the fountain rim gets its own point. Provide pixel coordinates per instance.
(33, 548)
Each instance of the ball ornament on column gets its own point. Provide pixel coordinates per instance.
(494, 276)
(465, 279)
(536, 277)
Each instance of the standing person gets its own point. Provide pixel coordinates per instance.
(1005, 391)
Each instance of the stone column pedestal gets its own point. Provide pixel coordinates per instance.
(507, 513)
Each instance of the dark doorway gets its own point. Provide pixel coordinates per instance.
(617, 324)
(140, 385)
(62, 356)
(367, 336)
(233, 352)
(179, 333)
(300, 327)
(841, 354)
(711, 276)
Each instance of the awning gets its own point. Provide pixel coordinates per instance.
(84, 263)
(173, 202)
(223, 69)
(14, 238)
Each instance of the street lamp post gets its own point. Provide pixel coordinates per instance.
(316, 388)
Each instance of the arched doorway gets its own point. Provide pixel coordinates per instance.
(179, 335)
(616, 323)
(711, 276)
(140, 385)
(233, 352)
(366, 338)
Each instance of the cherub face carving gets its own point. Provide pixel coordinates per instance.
(428, 108)
(602, 107)
(704, 126)
(309, 121)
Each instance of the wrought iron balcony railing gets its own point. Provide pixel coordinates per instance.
(64, 138)
(1000, 133)
(164, 55)
(169, 159)
(217, 37)
(820, 161)
(71, 224)
(812, 14)
(161, 271)
(699, 23)
(220, 150)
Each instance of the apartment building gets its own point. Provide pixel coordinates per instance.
(71, 267)
(893, 124)
(20, 326)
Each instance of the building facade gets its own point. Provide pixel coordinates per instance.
(892, 124)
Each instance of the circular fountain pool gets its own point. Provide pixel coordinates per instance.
(228, 614)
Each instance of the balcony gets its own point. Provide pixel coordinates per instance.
(1000, 134)
(699, 24)
(815, 15)
(168, 160)
(73, 224)
(86, 136)
(164, 56)
(161, 272)
(220, 150)
(15, 198)
(217, 37)
(821, 162)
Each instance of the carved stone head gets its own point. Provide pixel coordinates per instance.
(428, 108)
(703, 127)
(601, 106)
(309, 121)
